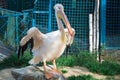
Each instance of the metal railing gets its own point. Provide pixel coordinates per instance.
(13, 25)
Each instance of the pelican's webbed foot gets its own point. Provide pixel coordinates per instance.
(48, 75)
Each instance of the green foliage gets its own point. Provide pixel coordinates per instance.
(84, 77)
(13, 61)
(89, 60)
(82, 59)
(66, 61)
(64, 71)
(109, 68)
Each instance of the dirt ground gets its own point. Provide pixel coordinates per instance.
(5, 74)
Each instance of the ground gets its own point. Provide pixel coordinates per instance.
(5, 74)
(76, 71)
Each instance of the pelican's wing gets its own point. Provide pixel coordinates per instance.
(33, 37)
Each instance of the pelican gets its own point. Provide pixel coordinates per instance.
(49, 46)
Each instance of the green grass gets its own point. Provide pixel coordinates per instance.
(64, 71)
(82, 59)
(84, 77)
(89, 61)
(13, 61)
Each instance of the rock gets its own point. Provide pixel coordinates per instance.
(28, 73)
(33, 73)
(5, 50)
(2, 57)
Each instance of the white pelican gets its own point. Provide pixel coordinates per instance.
(49, 46)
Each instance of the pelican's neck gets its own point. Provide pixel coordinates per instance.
(61, 28)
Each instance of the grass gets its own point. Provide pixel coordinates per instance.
(64, 71)
(84, 77)
(82, 59)
(13, 61)
(89, 61)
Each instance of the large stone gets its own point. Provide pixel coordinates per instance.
(33, 73)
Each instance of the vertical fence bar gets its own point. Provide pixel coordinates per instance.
(103, 23)
(33, 22)
(50, 15)
(16, 31)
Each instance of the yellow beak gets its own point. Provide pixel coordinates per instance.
(62, 16)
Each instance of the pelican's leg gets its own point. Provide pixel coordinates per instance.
(55, 68)
(44, 65)
(54, 64)
(47, 73)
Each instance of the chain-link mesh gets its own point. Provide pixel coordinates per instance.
(113, 24)
(77, 12)
(13, 25)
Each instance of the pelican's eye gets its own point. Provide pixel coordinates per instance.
(59, 8)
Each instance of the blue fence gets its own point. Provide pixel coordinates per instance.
(77, 11)
(113, 24)
(78, 14)
(13, 25)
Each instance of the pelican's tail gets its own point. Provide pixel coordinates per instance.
(30, 38)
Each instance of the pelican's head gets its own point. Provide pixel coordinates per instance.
(59, 10)
(58, 7)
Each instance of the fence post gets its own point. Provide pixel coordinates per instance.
(91, 33)
(11, 31)
(103, 23)
(94, 28)
(97, 12)
(16, 31)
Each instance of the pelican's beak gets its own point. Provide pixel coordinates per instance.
(65, 20)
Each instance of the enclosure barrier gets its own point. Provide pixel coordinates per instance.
(13, 25)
